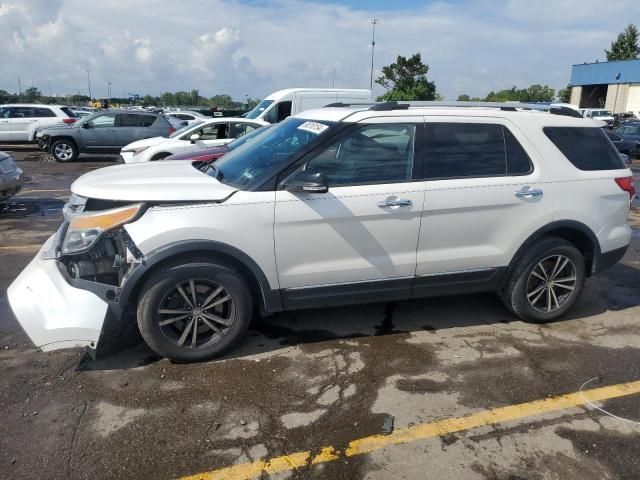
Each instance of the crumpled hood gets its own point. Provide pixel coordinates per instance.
(151, 182)
(145, 142)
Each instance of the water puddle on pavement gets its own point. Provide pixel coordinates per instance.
(24, 207)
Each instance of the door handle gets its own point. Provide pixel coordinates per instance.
(529, 193)
(395, 203)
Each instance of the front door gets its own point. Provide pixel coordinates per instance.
(360, 237)
(101, 135)
(484, 196)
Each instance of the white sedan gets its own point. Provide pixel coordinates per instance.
(198, 135)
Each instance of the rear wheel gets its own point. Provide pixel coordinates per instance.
(546, 282)
(195, 311)
(64, 150)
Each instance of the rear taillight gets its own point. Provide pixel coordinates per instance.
(69, 120)
(171, 130)
(626, 184)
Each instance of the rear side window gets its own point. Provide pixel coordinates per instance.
(460, 150)
(182, 116)
(146, 120)
(587, 148)
(42, 112)
(127, 120)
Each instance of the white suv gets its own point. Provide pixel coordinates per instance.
(333, 206)
(19, 122)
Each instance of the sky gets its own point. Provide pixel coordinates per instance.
(254, 47)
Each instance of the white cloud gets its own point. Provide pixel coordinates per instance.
(230, 47)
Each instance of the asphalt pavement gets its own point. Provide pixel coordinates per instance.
(451, 387)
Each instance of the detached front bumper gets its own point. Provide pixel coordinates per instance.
(53, 313)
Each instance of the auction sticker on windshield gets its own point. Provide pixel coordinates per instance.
(313, 127)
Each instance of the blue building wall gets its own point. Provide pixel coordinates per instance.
(627, 71)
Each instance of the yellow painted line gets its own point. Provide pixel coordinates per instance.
(21, 248)
(418, 432)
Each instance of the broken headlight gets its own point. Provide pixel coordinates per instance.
(85, 229)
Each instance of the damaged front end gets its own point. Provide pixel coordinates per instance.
(68, 296)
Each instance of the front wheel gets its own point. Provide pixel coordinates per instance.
(64, 150)
(194, 311)
(546, 282)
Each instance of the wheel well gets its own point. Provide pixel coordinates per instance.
(574, 235)
(199, 256)
(68, 139)
(159, 156)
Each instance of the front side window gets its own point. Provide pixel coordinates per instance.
(374, 154)
(186, 128)
(279, 112)
(462, 150)
(586, 148)
(4, 112)
(268, 153)
(103, 121)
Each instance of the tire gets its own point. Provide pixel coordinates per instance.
(217, 329)
(535, 299)
(64, 150)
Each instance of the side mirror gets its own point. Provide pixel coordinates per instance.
(194, 138)
(87, 125)
(308, 181)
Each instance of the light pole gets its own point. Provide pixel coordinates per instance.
(89, 84)
(109, 91)
(374, 22)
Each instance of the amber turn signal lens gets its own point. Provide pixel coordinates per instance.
(106, 219)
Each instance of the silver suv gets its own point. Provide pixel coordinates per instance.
(103, 133)
(333, 206)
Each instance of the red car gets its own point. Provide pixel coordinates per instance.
(211, 154)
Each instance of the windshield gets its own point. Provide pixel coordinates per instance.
(261, 107)
(182, 130)
(601, 113)
(247, 164)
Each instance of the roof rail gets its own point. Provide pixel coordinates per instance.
(504, 106)
(342, 104)
(393, 105)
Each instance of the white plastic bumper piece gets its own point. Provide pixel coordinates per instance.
(54, 314)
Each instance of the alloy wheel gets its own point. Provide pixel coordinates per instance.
(551, 283)
(196, 314)
(63, 151)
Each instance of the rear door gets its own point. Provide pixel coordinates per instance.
(485, 194)
(21, 122)
(365, 229)
(129, 129)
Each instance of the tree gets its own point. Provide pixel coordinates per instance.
(406, 79)
(564, 94)
(32, 94)
(534, 93)
(464, 98)
(625, 46)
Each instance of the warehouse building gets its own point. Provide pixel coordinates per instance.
(611, 85)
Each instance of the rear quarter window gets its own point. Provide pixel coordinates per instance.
(587, 148)
(147, 120)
